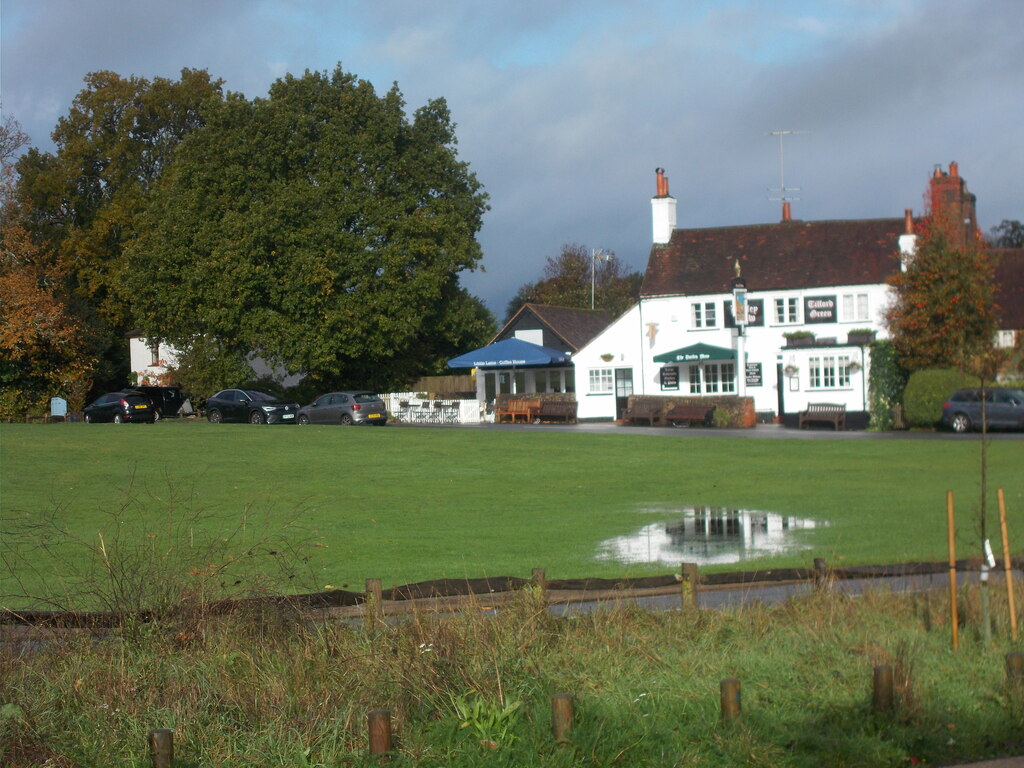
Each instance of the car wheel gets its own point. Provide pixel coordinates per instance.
(118, 418)
(88, 418)
(960, 423)
(214, 417)
(303, 419)
(346, 419)
(156, 416)
(255, 417)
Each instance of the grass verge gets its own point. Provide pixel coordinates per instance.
(406, 505)
(474, 689)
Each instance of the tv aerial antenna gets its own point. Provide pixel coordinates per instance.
(782, 189)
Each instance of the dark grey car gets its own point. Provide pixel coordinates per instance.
(249, 405)
(1004, 409)
(355, 407)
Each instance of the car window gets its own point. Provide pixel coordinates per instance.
(341, 399)
(320, 402)
(366, 397)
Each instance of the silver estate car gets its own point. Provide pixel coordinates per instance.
(1004, 409)
(355, 407)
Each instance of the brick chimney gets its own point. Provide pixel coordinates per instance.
(948, 197)
(663, 210)
(787, 211)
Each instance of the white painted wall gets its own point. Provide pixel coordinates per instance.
(659, 325)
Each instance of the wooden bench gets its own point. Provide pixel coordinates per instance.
(833, 413)
(691, 414)
(642, 410)
(558, 410)
(517, 408)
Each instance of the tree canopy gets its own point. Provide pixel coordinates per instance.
(944, 312)
(319, 228)
(1007, 234)
(567, 283)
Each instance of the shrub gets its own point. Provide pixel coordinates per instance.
(885, 384)
(927, 390)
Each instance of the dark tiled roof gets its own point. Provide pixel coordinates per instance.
(1010, 287)
(787, 255)
(574, 326)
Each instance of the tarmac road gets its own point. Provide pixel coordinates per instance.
(760, 432)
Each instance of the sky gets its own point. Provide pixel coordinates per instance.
(564, 108)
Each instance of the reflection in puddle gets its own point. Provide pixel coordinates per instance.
(709, 535)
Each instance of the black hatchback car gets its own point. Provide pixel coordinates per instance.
(249, 405)
(166, 400)
(120, 407)
(1004, 409)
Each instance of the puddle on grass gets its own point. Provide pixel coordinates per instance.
(709, 536)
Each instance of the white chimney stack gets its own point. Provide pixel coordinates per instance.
(663, 210)
(908, 240)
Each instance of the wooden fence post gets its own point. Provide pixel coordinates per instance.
(690, 582)
(882, 699)
(378, 723)
(539, 580)
(953, 618)
(730, 694)
(161, 747)
(1015, 669)
(561, 715)
(822, 583)
(374, 600)
(1007, 566)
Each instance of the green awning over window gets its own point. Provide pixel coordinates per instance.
(697, 353)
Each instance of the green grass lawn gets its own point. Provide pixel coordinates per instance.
(405, 504)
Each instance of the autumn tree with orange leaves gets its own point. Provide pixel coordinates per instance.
(45, 348)
(944, 313)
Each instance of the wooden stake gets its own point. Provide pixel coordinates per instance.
(821, 580)
(1007, 565)
(730, 692)
(378, 723)
(161, 747)
(561, 715)
(883, 697)
(1015, 669)
(690, 579)
(952, 571)
(374, 601)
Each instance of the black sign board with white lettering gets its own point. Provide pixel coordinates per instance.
(820, 309)
(670, 378)
(754, 377)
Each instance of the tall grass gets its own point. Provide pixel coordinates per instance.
(269, 690)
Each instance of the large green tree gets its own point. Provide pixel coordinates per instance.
(568, 282)
(319, 228)
(1009, 233)
(83, 200)
(944, 312)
